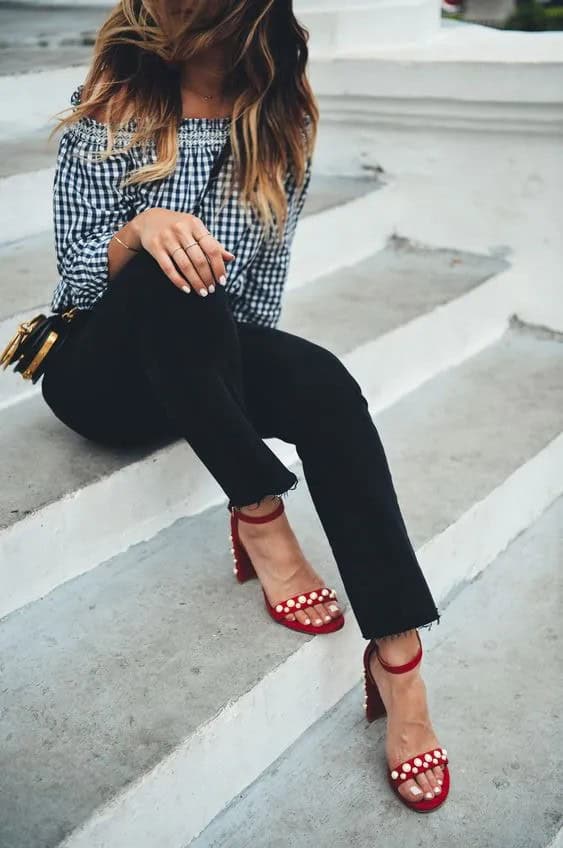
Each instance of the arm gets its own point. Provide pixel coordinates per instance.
(267, 274)
(89, 208)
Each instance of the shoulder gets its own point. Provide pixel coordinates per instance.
(90, 130)
(100, 114)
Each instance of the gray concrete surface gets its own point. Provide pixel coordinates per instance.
(390, 288)
(493, 673)
(405, 282)
(28, 267)
(40, 37)
(106, 675)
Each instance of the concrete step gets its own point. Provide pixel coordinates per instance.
(43, 36)
(450, 314)
(489, 668)
(139, 700)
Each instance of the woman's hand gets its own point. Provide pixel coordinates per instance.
(183, 248)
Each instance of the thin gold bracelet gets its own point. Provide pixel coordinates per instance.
(133, 249)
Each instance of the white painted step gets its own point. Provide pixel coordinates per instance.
(489, 668)
(142, 697)
(421, 311)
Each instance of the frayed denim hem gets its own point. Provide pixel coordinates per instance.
(397, 633)
(258, 500)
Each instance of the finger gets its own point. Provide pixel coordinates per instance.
(167, 265)
(184, 266)
(214, 253)
(199, 261)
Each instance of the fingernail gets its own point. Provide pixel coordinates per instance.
(203, 292)
(211, 289)
(429, 795)
(416, 790)
(437, 790)
(223, 280)
(186, 289)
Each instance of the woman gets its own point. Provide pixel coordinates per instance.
(176, 334)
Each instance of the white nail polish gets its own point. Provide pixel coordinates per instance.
(328, 618)
(437, 790)
(440, 782)
(203, 292)
(223, 280)
(307, 621)
(429, 795)
(211, 289)
(318, 621)
(186, 289)
(333, 609)
(416, 790)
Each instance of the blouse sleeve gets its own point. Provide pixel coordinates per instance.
(267, 274)
(89, 207)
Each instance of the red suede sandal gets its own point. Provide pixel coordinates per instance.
(244, 570)
(375, 708)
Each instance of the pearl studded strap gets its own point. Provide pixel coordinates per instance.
(420, 763)
(305, 600)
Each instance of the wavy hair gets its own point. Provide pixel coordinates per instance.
(135, 76)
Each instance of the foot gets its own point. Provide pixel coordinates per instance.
(281, 566)
(409, 730)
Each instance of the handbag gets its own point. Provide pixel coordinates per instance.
(36, 338)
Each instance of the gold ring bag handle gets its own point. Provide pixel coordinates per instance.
(33, 340)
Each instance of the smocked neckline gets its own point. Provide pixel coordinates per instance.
(222, 122)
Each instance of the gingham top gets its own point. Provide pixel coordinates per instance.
(90, 206)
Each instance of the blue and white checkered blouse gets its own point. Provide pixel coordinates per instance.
(90, 206)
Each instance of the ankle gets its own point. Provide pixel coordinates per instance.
(399, 648)
(262, 508)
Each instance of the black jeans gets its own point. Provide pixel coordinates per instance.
(148, 361)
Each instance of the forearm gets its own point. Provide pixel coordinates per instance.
(123, 247)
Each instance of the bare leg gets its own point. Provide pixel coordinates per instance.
(409, 729)
(281, 565)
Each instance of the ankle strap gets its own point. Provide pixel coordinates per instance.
(408, 666)
(260, 519)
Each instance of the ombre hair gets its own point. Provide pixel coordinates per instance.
(135, 74)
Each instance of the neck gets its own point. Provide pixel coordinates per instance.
(206, 74)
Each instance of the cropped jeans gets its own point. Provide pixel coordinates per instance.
(148, 361)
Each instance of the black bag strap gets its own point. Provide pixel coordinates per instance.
(216, 167)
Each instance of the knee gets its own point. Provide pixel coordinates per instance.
(327, 385)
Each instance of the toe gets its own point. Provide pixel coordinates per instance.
(317, 615)
(303, 617)
(431, 778)
(323, 613)
(424, 784)
(333, 608)
(410, 790)
(290, 617)
(439, 774)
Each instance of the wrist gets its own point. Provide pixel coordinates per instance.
(132, 233)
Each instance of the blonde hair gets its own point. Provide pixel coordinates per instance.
(135, 73)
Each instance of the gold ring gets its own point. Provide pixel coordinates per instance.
(176, 251)
(187, 247)
(204, 236)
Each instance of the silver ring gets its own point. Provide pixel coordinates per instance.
(176, 251)
(187, 247)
